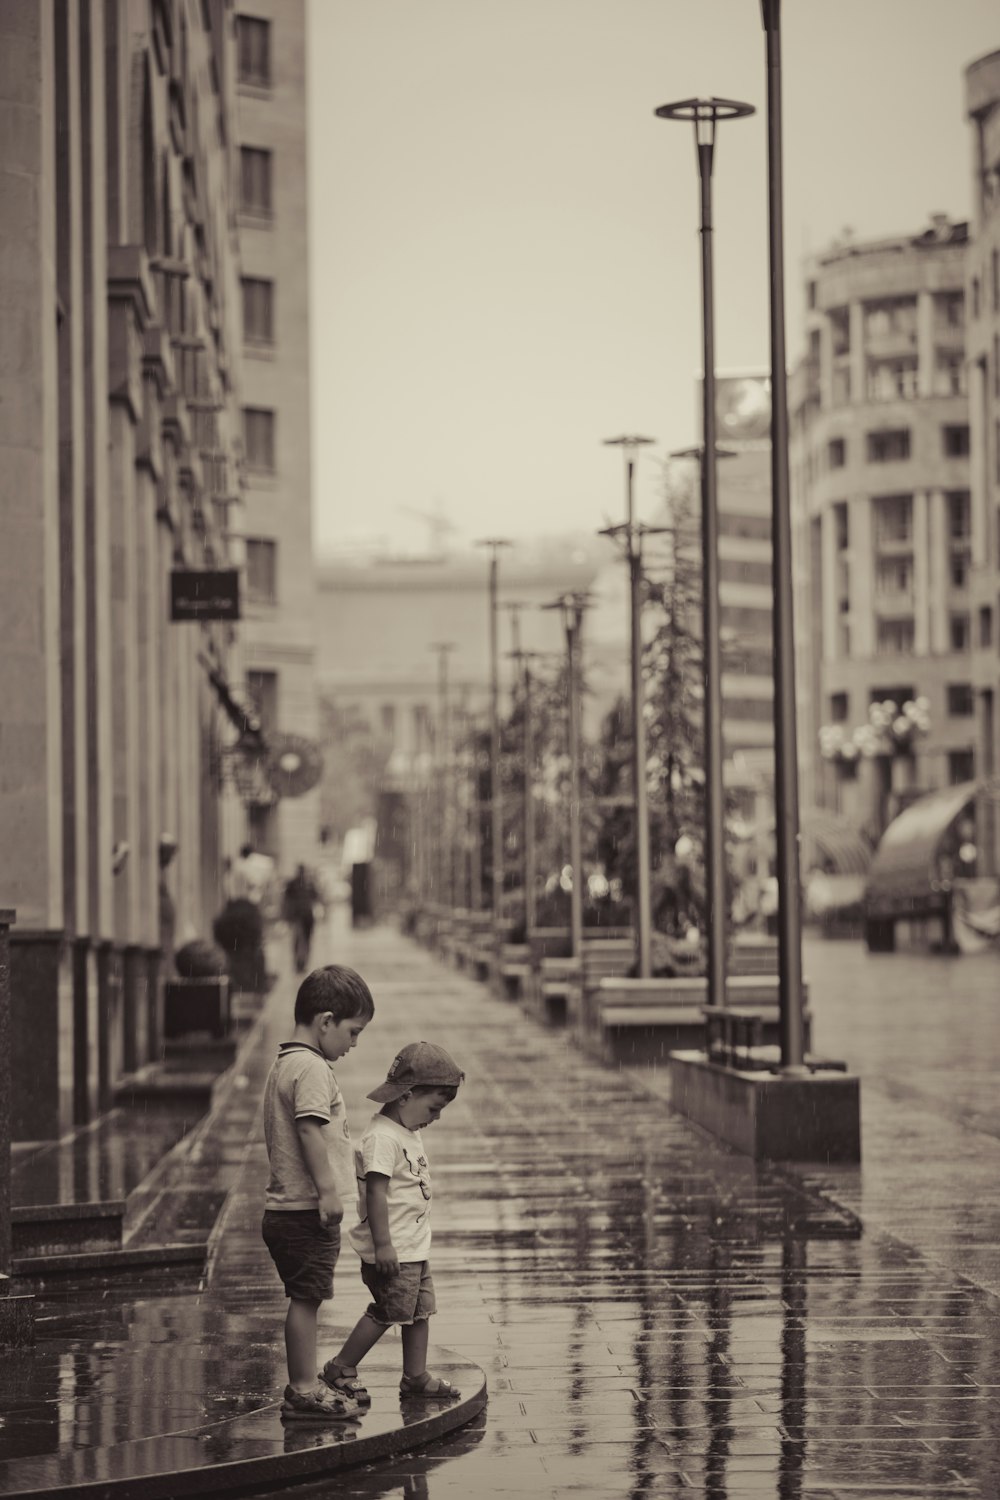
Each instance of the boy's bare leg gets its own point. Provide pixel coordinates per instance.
(364, 1336)
(416, 1336)
(300, 1343)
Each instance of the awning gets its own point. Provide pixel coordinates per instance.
(904, 867)
(832, 844)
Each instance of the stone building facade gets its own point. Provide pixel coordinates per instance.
(273, 228)
(881, 494)
(120, 440)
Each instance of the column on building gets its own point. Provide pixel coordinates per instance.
(857, 357)
(921, 576)
(31, 807)
(828, 587)
(862, 564)
(925, 343)
(938, 574)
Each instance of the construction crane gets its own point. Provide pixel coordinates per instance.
(439, 527)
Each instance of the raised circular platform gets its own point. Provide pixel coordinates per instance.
(165, 1419)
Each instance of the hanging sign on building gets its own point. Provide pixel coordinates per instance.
(204, 594)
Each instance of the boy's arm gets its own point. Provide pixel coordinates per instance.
(312, 1138)
(377, 1205)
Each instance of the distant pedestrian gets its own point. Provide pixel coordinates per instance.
(298, 907)
(312, 1171)
(394, 1235)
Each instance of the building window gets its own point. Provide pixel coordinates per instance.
(258, 310)
(255, 182)
(840, 331)
(896, 318)
(949, 309)
(836, 453)
(894, 637)
(959, 632)
(263, 689)
(888, 447)
(262, 570)
(811, 295)
(841, 525)
(959, 515)
(889, 379)
(985, 626)
(949, 373)
(840, 707)
(253, 51)
(955, 441)
(960, 701)
(387, 713)
(959, 569)
(893, 518)
(258, 437)
(893, 578)
(897, 695)
(961, 766)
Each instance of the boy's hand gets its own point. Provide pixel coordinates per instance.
(331, 1210)
(386, 1260)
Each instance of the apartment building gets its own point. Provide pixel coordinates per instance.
(274, 293)
(881, 494)
(982, 296)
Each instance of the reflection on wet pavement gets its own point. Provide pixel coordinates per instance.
(656, 1316)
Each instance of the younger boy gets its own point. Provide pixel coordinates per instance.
(394, 1235)
(312, 1170)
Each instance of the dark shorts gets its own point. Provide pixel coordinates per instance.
(402, 1298)
(304, 1252)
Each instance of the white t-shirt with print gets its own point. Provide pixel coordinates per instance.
(302, 1084)
(397, 1153)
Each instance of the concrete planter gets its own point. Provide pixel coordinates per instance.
(813, 1118)
(191, 1005)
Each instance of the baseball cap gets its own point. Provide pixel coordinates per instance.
(419, 1063)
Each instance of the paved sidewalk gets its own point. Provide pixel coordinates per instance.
(655, 1315)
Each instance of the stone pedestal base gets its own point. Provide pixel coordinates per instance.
(813, 1118)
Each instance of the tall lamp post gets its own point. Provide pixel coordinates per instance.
(572, 607)
(446, 866)
(633, 553)
(786, 770)
(496, 794)
(704, 115)
(524, 660)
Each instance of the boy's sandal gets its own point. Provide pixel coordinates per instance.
(321, 1403)
(346, 1385)
(427, 1385)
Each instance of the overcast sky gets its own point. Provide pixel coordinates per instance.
(504, 239)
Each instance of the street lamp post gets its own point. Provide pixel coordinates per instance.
(633, 552)
(705, 114)
(524, 660)
(786, 777)
(446, 866)
(572, 607)
(496, 794)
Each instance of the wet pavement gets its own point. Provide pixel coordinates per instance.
(655, 1315)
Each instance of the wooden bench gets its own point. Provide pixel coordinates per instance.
(552, 992)
(644, 1020)
(753, 953)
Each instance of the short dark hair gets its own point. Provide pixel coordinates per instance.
(336, 989)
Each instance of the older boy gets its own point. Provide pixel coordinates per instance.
(312, 1170)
